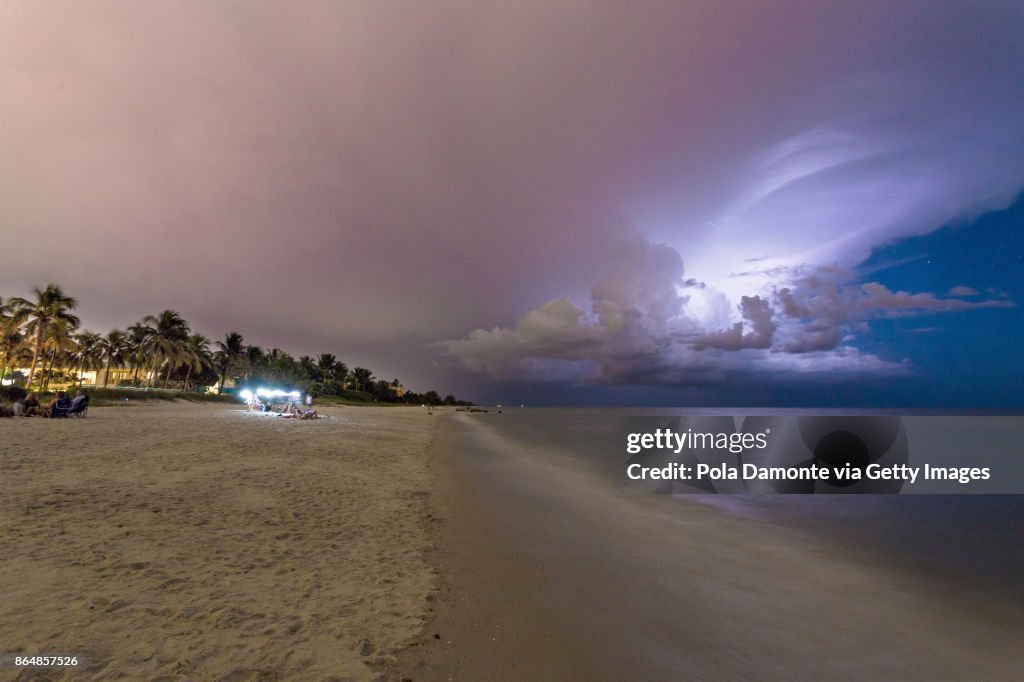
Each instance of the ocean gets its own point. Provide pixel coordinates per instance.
(756, 585)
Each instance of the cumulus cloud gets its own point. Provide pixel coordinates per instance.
(642, 329)
(641, 291)
(757, 316)
(819, 309)
(554, 332)
(879, 300)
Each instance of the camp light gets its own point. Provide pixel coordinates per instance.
(247, 395)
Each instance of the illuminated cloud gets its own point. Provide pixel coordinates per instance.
(639, 329)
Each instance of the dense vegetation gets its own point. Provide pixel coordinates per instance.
(42, 333)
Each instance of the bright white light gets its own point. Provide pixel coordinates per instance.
(709, 307)
(270, 393)
(246, 395)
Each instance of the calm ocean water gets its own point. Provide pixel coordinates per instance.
(773, 587)
(980, 536)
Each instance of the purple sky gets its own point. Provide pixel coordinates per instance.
(373, 179)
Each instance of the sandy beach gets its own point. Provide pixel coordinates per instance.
(201, 542)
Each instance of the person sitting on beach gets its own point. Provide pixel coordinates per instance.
(59, 407)
(63, 403)
(291, 411)
(48, 407)
(309, 414)
(80, 404)
(31, 405)
(18, 407)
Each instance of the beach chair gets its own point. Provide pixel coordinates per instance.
(79, 407)
(59, 412)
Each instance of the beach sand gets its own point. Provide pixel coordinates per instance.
(197, 541)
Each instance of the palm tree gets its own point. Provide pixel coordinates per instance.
(340, 372)
(23, 354)
(309, 368)
(60, 342)
(10, 338)
(166, 342)
(331, 368)
(326, 363)
(197, 355)
(86, 352)
(50, 304)
(275, 360)
(112, 348)
(138, 336)
(381, 388)
(362, 378)
(10, 341)
(255, 359)
(228, 351)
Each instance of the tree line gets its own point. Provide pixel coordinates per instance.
(42, 333)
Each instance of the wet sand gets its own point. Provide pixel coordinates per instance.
(490, 619)
(561, 578)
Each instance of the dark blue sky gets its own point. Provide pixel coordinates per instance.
(965, 358)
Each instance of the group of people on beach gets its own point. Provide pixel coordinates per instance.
(62, 405)
(289, 409)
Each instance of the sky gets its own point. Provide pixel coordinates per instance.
(572, 202)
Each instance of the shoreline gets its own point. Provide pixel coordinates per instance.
(586, 584)
(488, 620)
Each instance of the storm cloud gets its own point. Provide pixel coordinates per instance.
(639, 329)
(371, 178)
